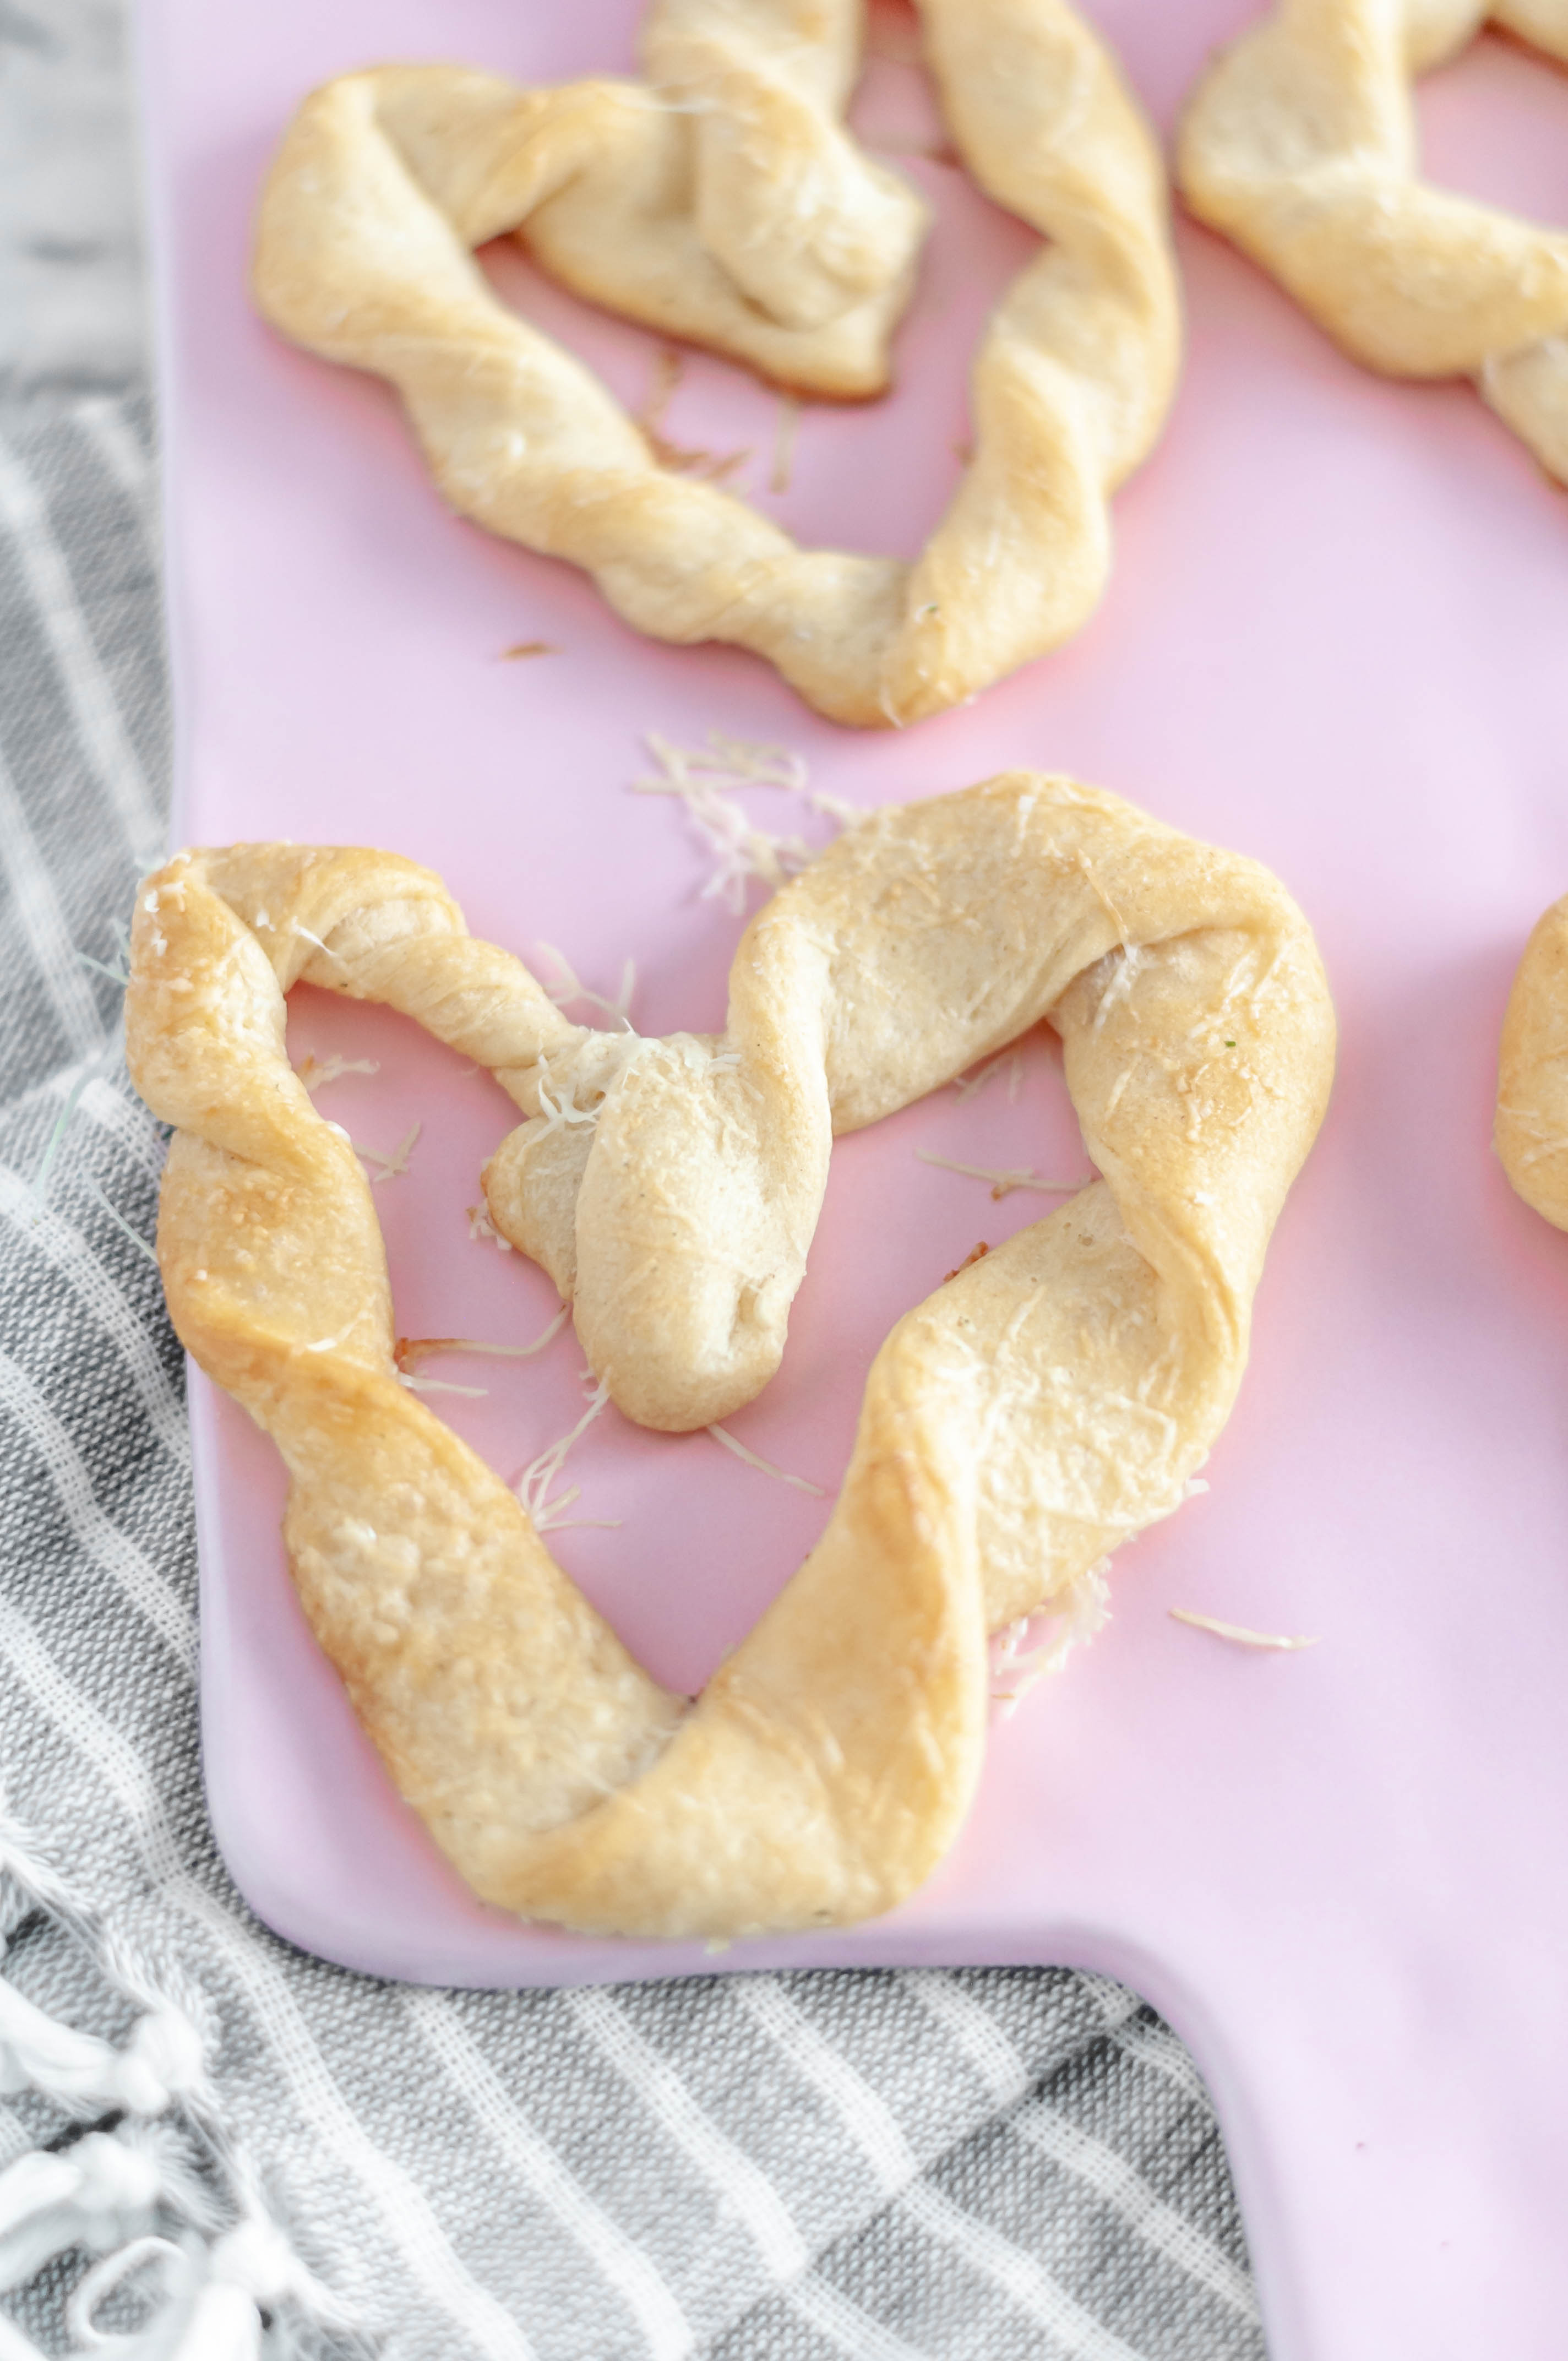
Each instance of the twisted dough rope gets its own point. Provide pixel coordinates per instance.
(1040, 1408)
(1531, 1129)
(1301, 145)
(722, 201)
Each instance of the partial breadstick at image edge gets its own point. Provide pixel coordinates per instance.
(1044, 1405)
(1532, 1071)
(721, 200)
(1299, 143)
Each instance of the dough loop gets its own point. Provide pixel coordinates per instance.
(1042, 1406)
(722, 201)
(1301, 145)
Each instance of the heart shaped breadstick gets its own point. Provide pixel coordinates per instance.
(722, 201)
(1301, 144)
(1042, 1407)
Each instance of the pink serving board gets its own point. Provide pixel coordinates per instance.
(1335, 639)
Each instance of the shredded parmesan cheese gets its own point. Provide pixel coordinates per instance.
(305, 936)
(439, 1386)
(121, 1224)
(626, 1049)
(1238, 1633)
(114, 974)
(394, 1164)
(62, 1121)
(765, 1467)
(532, 1486)
(567, 988)
(481, 1227)
(1003, 1183)
(409, 1351)
(966, 1085)
(316, 1072)
(703, 778)
(1075, 1617)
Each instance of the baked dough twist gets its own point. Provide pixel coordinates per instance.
(1532, 1071)
(722, 201)
(1300, 144)
(1041, 1407)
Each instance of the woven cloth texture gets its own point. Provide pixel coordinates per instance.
(910, 2167)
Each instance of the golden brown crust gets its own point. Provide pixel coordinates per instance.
(1044, 1405)
(1300, 144)
(723, 202)
(1532, 1071)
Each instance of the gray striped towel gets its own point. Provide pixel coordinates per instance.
(213, 2147)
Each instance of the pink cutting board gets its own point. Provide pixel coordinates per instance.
(1334, 639)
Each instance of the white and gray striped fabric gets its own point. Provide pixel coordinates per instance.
(223, 2147)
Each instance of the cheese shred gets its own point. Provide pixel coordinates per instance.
(764, 1467)
(967, 1084)
(63, 1120)
(1238, 1633)
(392, 1165)
(409, 1351)
(533, 1486)
(480, 1226)
(115, 974)
(1067, 1622)
(703, 778)
(316, 1072)
(1003, 1182)
(568, 988)
(118, 1219)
